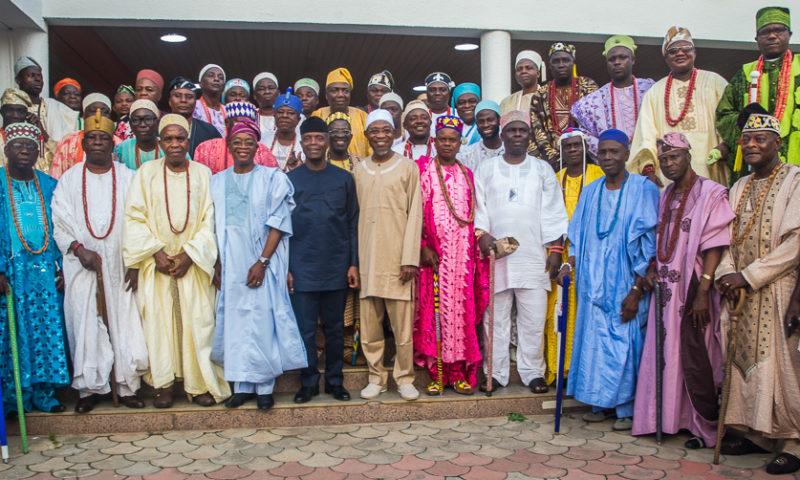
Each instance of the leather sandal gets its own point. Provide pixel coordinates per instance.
(463, 388)
(433, 388)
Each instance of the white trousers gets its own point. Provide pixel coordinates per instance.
(531, 312)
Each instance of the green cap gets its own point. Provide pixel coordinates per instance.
(619, 41)
(307, 82)
(768, 15)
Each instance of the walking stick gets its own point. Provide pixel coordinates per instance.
(735, 311)
(356, 328)
(490, 340)
(659, 362)
(3, 439)
(102, 312)
(440, 380)
(562, 350)
(12, 337)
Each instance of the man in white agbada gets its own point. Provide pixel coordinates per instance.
(53, 116)
(519, 196)
(528, 70)
(487, 118)
(88, 211)
(256, 336)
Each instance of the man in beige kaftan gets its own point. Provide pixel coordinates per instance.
(389, 232)
(175, 252)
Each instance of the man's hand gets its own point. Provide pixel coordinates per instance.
(60, 280)
(699, 311)
(553, 264)
(132, 280)
(180, 264)
(353, 280)
(430, 258)
(730, 284)
(630, 305)
(650, 278)
(724, 150)
(486, 244)
(255, 276)
(3, 284)
(217, 280)
(290, 282)
(407, 273)
(163, 264)
(654, 178)
(89, 259)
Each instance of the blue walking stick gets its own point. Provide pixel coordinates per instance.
(562, 349)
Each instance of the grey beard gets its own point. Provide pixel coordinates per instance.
(384, 152)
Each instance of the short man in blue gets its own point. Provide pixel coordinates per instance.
(323, 256)
(612, 231)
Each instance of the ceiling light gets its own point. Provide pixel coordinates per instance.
(420, 88)
(466, 47)
(173, 38)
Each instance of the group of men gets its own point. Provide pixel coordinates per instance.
(207, 245)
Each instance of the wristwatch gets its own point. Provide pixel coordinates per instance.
(264, 261)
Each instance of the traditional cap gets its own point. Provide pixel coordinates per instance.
(262, 76)
(338, 116)
(234, 82)
(515, 116)
(675, 34)
(172, 119)
(209, 67)
(15, 96)
(562, 47)
(414, 105)
(487, 105)
(672, 141)
(762, 122)
(747, 111)
(379, 115)
(241, 109)
(127, 89)
(391, 97)
(182, 83)
(98, 122)
(617, 135)
(63, 83)
(571, 132)
(465, 88)
(313, 125)
(151, 75)
(619, 41)
(24, 62)
(450, 121)
(145, 104)
(94, 98)
(383, 78)
(22, 130)
(288, 100)
(533, 57)
(307, 82)
(768, 15)
(245, 125)
(341, 74)
(439, 77)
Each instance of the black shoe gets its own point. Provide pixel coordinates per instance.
(538, 386)
(265, 402)
(338, 392)
(783, 464)
(238, 399)
(58, 408)
(739, 446)
(85, 405)
(305, 394)
(495, 385)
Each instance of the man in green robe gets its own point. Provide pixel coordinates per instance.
(774, 90)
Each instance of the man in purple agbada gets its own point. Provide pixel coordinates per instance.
(691, 236)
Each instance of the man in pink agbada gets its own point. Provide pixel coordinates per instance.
(691, 236)
(449, 248)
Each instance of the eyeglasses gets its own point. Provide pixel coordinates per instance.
(146, 121)
(340, 133)
(767, 32)
(384, 131)
(246, 143)
(20, 146)
(683, 49)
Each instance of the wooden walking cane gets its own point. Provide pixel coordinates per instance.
(102, 312)
(12, 337)
(562, 350)
(659, 326)
(490, 340)
(735, 311)
(440, 380)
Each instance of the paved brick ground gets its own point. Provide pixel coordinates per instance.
(481, 449)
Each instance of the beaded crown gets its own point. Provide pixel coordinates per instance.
(759, 122)
(241, 109)
(22, 130)
(450, 121)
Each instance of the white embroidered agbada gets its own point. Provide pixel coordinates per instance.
(93, 352)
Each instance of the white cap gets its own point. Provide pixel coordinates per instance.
(95, 97)
(377, 116)
(391, 97)
(535, 58)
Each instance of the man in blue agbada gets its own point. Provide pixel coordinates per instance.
(29, 264)
(613, 233)
(256, 336)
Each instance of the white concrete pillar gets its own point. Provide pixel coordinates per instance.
(20, 42)
(495, 65)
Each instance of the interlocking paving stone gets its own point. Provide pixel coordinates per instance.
(121, 449)
(183, 434)
(178, 446)
(199, 466)
(171, 460)
(50, 465)
(290, 455)
(80, 470)
(262, 436)
(87, 456)
(208, 439)
(352, 466)
(437, 454)
(261, 464)
(230, 472)
(386, 472)
(63, 451)
(128, 437)
(231, 457)
(369, 432)
(153, 441)
(405, 449)
(321, 446)
(380, 458)
(236, 432)
(289, 442)
(139, 469)
(98, 443)
(321, 460)
(113, 462)
(205, 452)
(146, 455)
(316, 434)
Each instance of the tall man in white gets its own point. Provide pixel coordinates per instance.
(519, 196)
(88, 211)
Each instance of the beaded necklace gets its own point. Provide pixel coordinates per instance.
(689, 94)
(446, 195)
(572, 99)
(635, 106)
(665, 256)
(783, 83)
(272, 149)
(739, 239)
(603, 234)
(137, 153)
(408, 151)
(207, 111)
(350, 163)
(113, 202)
(188, 200)
(13, 206)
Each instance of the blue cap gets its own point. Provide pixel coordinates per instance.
(288, 100)
(487, 105)
(616, 135)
